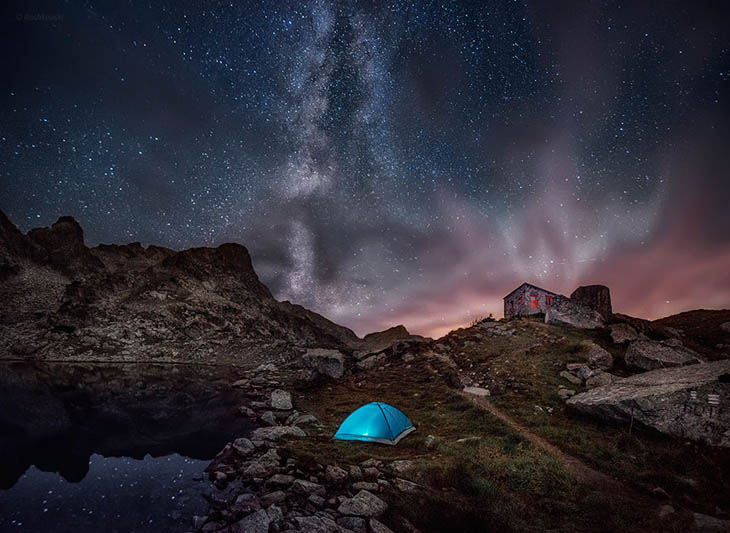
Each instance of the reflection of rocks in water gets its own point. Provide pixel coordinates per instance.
(57, 416)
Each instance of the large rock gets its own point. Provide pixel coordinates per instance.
(330, 363)
(597, 297)
(364, 503)
(623, 332)
(599, 358)
(565, 311)
(689, 402)
(650, 355)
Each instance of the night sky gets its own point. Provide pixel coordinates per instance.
(408, 162)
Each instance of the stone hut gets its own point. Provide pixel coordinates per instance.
(527, 299)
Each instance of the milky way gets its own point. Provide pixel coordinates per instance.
(391, 163)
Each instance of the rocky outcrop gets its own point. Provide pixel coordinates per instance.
(63, 300)
(650, 355)
(64, 246)
(266, 488)
(566, 311)
(689, 402)
(596, 297)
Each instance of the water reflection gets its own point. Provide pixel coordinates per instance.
(133, 434)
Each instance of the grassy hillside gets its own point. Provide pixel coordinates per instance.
(487, 474)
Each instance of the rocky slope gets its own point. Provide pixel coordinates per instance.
(64, 300)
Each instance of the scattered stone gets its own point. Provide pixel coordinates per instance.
(371, 473)
(674, 401)
(476, 391)
(364, 503)
(281, 400)
(246, 503)
(566, 393)
(575, 380)
(666, 510)
(431, 442)
(725, 326)
(650, 355)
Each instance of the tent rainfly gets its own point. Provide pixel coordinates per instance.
(375, 422)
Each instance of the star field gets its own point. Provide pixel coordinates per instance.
(386, 162)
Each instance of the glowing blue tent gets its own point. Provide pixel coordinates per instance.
(375, 422)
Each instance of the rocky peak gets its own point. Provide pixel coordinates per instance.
(63, 244)
(230, 259)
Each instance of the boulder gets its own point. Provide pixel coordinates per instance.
(565, 311)
(623, 332)
(277, 432)
(599, 358)
(597, 297)
(329, 363)
(725, 326)
(364, 503)
(476, 391)
(688, 402)
(575, 380)
(650, 355)
(281, 400)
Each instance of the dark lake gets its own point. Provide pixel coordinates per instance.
(88, 447)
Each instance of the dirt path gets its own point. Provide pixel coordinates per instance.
(581, 471)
